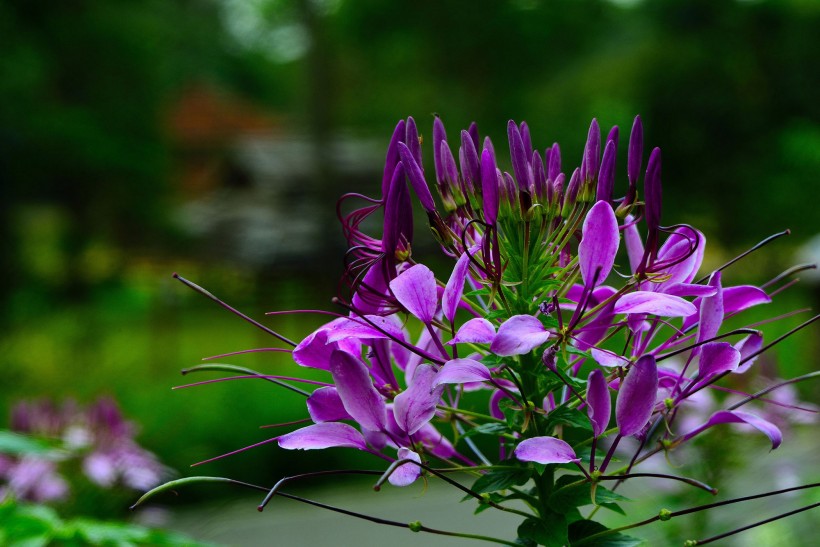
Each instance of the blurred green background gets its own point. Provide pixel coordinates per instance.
(212, 138)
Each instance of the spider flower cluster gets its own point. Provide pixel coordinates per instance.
(581, 317)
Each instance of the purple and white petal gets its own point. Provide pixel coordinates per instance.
(407, 473)
(742, 297)
(355, 387)
(633, 243)
(367, 327)
(325, 435)
(599, 244)
(415, 289)
(748, 348)
(475, 331)
(636, 396)
(460, 371)
(608, 359)
(416, 405)
(689, 289)
(518, 335)
(325, 405)
(654, 303)
(717, 358)
(599, 406)
(737, 417)
(711, 311)
(455, 288)
(545, 450)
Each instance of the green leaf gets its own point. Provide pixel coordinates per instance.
(585, 528)
(177, 483)
(501, 479)
(551, 530)
(569, 492)
(490, 428)
(569, 416)
(576, 351)
(22, 445)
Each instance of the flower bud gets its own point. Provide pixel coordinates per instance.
(392, 157)
(413, 142)
(519, 156)
(439, 136)
(468, 159)
(652, 190)
(606, 177)
(571, 195)
(489, 186)
(554, 162)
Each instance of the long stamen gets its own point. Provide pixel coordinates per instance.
(233, 310)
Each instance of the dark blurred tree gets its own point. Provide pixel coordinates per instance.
(83, 89)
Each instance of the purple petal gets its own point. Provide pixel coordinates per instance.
(606, 177)
(392, 157)
(747, 347)
(711, 311)
(476, 331)
(545, 450)
(689, 289)
(717, 358)
(678, 249)
(608, 359)
(599, 244)
(412, 141)
(416, 176)
(355, 387)
(518, 335)
(737, 416)
(468, 157)
(592, 152)
(519, 156)
(439, 136)
(416, 405)
(398, 214)
(652, 190)
(635, 154)
(554, 165)
(599, 405)
(455, 288)
(407, 473)
(633, 243)
(460, 371)
(742, 297)
(325, 405)
(653, 303)
(314, 351)
(636, 396)
(489, 187)
(326, 435)
(415, 289)
(381, 327)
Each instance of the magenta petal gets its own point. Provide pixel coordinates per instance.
(407, 473)
(636, 396)
(747, 347)
(739, 298)
(455, 288)
(416, 405)
(599, 244)
(415, 289)
(717, 358)
(476, 331)
(689, 289)
(369, 327)
(654, 303)
(711, 311)
(518, 335)
(599, 406)
(326, 435)
(633, 243)
(460, 371)
(545, 450)
(355, 387)
(608, 359)
(325, 405)
(737, 416)
(314, 351)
